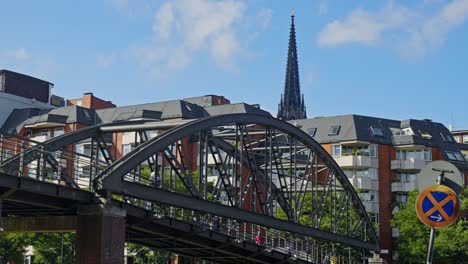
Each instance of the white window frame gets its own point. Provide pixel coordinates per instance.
(336, 153)
(373, 151)
(465, 139)
(126, 148)
(59, 131)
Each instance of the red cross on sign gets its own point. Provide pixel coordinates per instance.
(437, 206)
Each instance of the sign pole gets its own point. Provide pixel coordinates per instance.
(430, 250)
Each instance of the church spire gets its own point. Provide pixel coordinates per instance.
(292, 104)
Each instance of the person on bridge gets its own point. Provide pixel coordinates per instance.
(259, 239)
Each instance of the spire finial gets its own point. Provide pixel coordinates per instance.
(292, 13)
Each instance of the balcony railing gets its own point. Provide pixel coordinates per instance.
(352, 161)
(408, 164)
(403, 186)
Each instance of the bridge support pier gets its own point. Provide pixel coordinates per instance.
(100, 234)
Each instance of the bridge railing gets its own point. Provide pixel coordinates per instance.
(62, 167)
(267, 239)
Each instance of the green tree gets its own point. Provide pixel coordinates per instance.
(450, 243)
(146, 255)
(50, 248)
(12, 246)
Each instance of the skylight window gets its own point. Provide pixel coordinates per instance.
(459, 156)
(425, 134)
(311, 131)
(377, 131)
(454, 155)
(446, 137)
(334, 130)
(450, 155)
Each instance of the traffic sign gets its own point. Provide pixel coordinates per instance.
(437, 206)
(429, 175)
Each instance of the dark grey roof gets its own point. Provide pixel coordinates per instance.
(16, 118)
(359, 128)
(65, 115)
(159, 110)
(203, 101)
(234, 108)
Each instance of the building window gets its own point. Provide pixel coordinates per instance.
(405, 177)
(7, 153)
(311, 131)
(454, 155)
(151, 134)
(373, 151)
(83, 172)
(456, 138)
(446, 137)
(374, 217)
(377, 131)
(458, 156)
(465, 139)
(336, 150)
(427, 153)
(425, 134)
(45, 132)
(59, 132)
(126, 148)
(373, 174)
(334, 130)
(83, 150)
(423, 154)
(32, 172)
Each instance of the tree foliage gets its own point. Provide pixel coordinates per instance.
(451, 243)
(12, 246)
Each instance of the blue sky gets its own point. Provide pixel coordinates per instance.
(390, 59)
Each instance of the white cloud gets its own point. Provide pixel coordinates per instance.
(18, 54)
(364, 27)
(105, 61)
(323, 8)
(183, 28)
(264, 16)
(409, 31)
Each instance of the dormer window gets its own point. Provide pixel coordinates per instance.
(311, 131)
(377, 131)
(334, 130)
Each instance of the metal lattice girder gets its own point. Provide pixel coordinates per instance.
(273, 161)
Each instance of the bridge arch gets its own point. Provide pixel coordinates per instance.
(276, 157)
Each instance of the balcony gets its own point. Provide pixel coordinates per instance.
(413, 165)
(352, 161)
(403, 186)
(395, 232)
(363, 183)
(40, 137)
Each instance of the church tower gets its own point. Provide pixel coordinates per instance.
(292, 106)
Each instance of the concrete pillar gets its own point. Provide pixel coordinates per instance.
(100, 235)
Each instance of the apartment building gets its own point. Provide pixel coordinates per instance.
(20, 91)
(382, 158)
(42, 125)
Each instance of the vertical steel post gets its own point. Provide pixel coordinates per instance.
(430, 249)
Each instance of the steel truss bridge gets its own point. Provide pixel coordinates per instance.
(227, 189)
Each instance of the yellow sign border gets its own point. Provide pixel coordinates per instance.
(452, 196)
